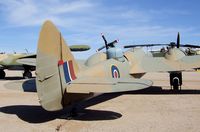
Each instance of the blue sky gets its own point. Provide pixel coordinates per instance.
(82, 22)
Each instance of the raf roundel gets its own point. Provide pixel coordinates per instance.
(115, 72)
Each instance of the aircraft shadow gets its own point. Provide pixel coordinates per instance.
(13, 78)
(29, 86)
(36, 114)
(154, 90)
(25, 85)
(158, 90)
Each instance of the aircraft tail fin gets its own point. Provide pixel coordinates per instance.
(55, 66)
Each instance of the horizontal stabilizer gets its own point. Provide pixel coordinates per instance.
(107, 85)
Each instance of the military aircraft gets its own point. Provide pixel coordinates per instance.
(61, 81)
(165, 47)
(9, 61)
(173, 53)
(193, 51)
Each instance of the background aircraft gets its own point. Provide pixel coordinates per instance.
(26, 62)
(9, 61)
(173, 53)
(190, 49)
(61, 81)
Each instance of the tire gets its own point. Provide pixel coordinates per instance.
(175, 84)
(27, 75)
(2, 74)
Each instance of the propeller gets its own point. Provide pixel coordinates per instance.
(107, 45)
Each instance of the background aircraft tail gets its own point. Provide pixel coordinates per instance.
(55, 66)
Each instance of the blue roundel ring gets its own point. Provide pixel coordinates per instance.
(115, 72)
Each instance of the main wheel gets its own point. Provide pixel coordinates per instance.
(2, 74)
(176, 80)
(27, 74)
(175, 84)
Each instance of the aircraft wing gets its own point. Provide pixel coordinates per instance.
(27, 61)
(28, 56)
(160, 64)
(107, 85)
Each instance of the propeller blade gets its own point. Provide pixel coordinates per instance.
(178, 40)
(105, 41)
(99, 49)
(111, 44)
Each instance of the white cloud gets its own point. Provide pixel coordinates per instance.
(67, 13)
(31, 13)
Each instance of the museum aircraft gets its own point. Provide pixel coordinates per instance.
(173, 52)
(9, 61)
(61, 81)
(191, 49)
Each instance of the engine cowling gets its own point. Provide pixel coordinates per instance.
(95, 59)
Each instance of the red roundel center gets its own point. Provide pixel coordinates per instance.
(115, 73)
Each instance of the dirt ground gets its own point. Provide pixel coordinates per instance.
(150, 110)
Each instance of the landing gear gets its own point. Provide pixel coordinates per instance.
(73, 112)
(27, 74)
(2, 74)
(176, 80)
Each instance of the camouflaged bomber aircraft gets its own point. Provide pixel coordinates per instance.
(62, 81)
(173, 53)
(10, 62)
(191, 49)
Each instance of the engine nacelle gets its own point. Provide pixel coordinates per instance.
(174, 54)
(96, 58)
(135, 55)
